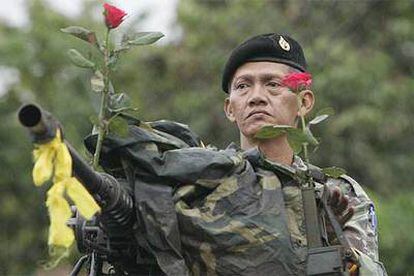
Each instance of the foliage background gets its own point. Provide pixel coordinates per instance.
(361, 54)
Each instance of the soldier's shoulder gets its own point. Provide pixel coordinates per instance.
(345, 182)
(356, 187)
(348, 185)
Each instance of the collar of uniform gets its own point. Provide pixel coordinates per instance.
(298, 164)
(257, 158)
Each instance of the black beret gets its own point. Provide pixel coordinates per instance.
(265, 47)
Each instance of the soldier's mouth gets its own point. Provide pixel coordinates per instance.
(258, 113)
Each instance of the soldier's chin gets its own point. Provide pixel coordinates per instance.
(251, 131)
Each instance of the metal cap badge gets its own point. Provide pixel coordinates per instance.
(284, 44)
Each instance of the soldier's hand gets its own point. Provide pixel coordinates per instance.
(343, 212)
(340, 205)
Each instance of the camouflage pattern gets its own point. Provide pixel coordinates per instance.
(203, 211)
(358, 230)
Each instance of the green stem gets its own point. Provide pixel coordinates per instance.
(308, 181)
(304, 145)
(303, 125)
(103, 107)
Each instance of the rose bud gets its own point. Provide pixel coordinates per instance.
(113, 16)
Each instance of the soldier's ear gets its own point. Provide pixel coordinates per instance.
(307, 102)
(228, 109)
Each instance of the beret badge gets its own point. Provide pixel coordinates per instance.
(284, 44)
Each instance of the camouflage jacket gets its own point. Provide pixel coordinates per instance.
(203, 211)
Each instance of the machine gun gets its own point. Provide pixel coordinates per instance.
(107, 238)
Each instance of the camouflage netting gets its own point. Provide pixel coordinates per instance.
(227, 212)
(202, 210)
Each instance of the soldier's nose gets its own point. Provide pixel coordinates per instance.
(257, 97)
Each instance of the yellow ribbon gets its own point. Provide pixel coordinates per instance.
(53, 159)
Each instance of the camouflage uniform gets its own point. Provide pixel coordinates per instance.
(203, 211)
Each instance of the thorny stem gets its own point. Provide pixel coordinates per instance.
(103, 107)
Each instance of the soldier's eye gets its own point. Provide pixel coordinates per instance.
(241, 86)
(273, 84)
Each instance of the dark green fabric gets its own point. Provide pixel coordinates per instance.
(204, 211)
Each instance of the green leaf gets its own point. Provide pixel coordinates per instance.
(268, 132)
(97, 82)
(119, 101)
(130, 114)
(296, 139)
(144, 38)
(118, 126)
(123, 45)
(296, 147)
(120, 48)
(82, 33)
(318, 119)
(326, 111)
(334, 172)
(80, 60)
(310, 138)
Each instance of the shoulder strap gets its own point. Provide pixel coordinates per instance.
(312, 223)
(313, 233)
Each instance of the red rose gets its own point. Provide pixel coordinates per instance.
(113, 16)
(297, 81)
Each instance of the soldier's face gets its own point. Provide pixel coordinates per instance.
(257, 97)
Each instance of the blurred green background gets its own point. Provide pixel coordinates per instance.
(361, 54)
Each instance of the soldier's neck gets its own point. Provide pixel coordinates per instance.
(277, 150)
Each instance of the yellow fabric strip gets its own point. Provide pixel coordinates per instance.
(59, 211)
(43, 168)
(85, 203)
(63, 162)
(53, 159)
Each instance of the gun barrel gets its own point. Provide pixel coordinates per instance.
(116, 203)
(42, 128)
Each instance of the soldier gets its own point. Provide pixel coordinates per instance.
(203, 211)
(253, 79)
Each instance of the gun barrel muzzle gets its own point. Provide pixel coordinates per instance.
(30, 115)
(41, 125)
